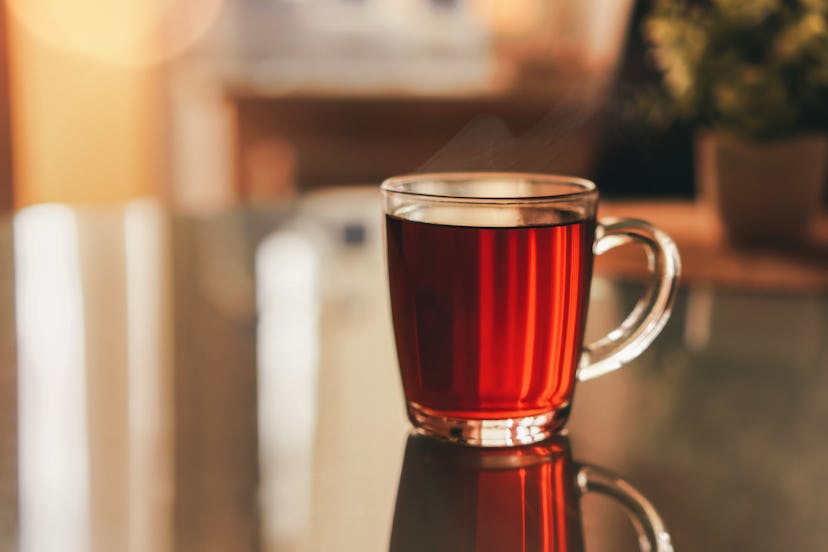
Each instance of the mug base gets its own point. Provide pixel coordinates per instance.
(481, 432)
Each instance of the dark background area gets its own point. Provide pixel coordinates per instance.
(637, 160)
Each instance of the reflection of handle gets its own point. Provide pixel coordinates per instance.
(648, 317)
(652, 534)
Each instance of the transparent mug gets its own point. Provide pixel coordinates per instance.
(489, 277)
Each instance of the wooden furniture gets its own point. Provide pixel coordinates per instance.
(708, 259)
(333, 139)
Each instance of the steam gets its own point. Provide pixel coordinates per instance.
(563, 141)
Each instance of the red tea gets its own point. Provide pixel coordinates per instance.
(488, 321)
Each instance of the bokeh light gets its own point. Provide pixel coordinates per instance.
(130, 32)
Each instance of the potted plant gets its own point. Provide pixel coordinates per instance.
(752, 77)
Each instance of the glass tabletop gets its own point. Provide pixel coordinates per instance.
(229, 382)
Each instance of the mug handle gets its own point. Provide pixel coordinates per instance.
(652, 533)
(651, 312)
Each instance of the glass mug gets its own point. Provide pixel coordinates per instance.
(489, 277)
(464, 499)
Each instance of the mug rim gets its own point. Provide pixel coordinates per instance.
(584, 188)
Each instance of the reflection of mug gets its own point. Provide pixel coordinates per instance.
(464, 499)
(489, 276)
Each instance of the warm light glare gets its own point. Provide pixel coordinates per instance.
(131, 31)
(54, 463)
(510, 17)
(85, 130)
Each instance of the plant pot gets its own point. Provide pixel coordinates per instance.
(763, 193)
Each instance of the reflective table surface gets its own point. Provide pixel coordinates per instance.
(228, 382)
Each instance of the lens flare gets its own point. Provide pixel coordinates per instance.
(134, 32)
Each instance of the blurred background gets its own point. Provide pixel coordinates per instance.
(192, 288)
(216, 103)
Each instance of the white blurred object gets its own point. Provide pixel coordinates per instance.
(345, 227)
(358, 367)
(362, 46)
(96, 459)
(53, 439)
(288, 354)
(149, 376)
